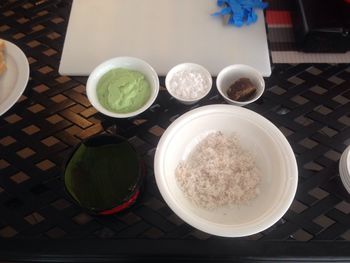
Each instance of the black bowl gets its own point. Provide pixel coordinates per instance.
(128, 167)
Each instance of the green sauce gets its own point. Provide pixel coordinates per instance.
(121, 90)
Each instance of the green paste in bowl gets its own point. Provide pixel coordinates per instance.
(122, 90)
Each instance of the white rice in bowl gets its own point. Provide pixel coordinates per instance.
(218, 173)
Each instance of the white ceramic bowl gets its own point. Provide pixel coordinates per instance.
(128, 63)
(189, 67)
(344, 168)
(231, 74)
(273, 155)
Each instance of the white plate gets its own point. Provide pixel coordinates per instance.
(14, 80)
(273, 155)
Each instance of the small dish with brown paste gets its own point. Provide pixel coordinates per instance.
(240, 84)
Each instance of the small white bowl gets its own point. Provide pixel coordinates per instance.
(274, 157)
(128, 63)
(231, 74)
(189, 67)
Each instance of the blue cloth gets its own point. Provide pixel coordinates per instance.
(240, 11)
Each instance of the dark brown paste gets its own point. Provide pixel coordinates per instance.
(242, 90)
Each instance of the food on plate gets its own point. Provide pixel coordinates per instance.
(122, 90)
(218, 173)
(2, 57)
(241, 90)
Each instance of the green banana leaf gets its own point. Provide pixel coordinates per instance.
(102, 177)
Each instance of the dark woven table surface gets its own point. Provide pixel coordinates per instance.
(309, 103)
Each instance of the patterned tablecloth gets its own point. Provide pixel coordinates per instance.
(309, 103)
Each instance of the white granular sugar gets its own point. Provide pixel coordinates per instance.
(188, 84)
(218, 172)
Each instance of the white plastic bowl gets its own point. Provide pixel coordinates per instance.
(189, 67)
(231, 74)
(128, 63)
(344, 168)
(273, 154)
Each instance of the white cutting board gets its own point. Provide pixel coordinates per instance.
(161, 32)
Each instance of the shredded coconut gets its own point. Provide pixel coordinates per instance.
(218, 172)
(188, 84)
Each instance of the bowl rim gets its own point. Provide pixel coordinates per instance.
(344, 168)
(272, 214)
(240, 66)
(188, 65)
(91, 89)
